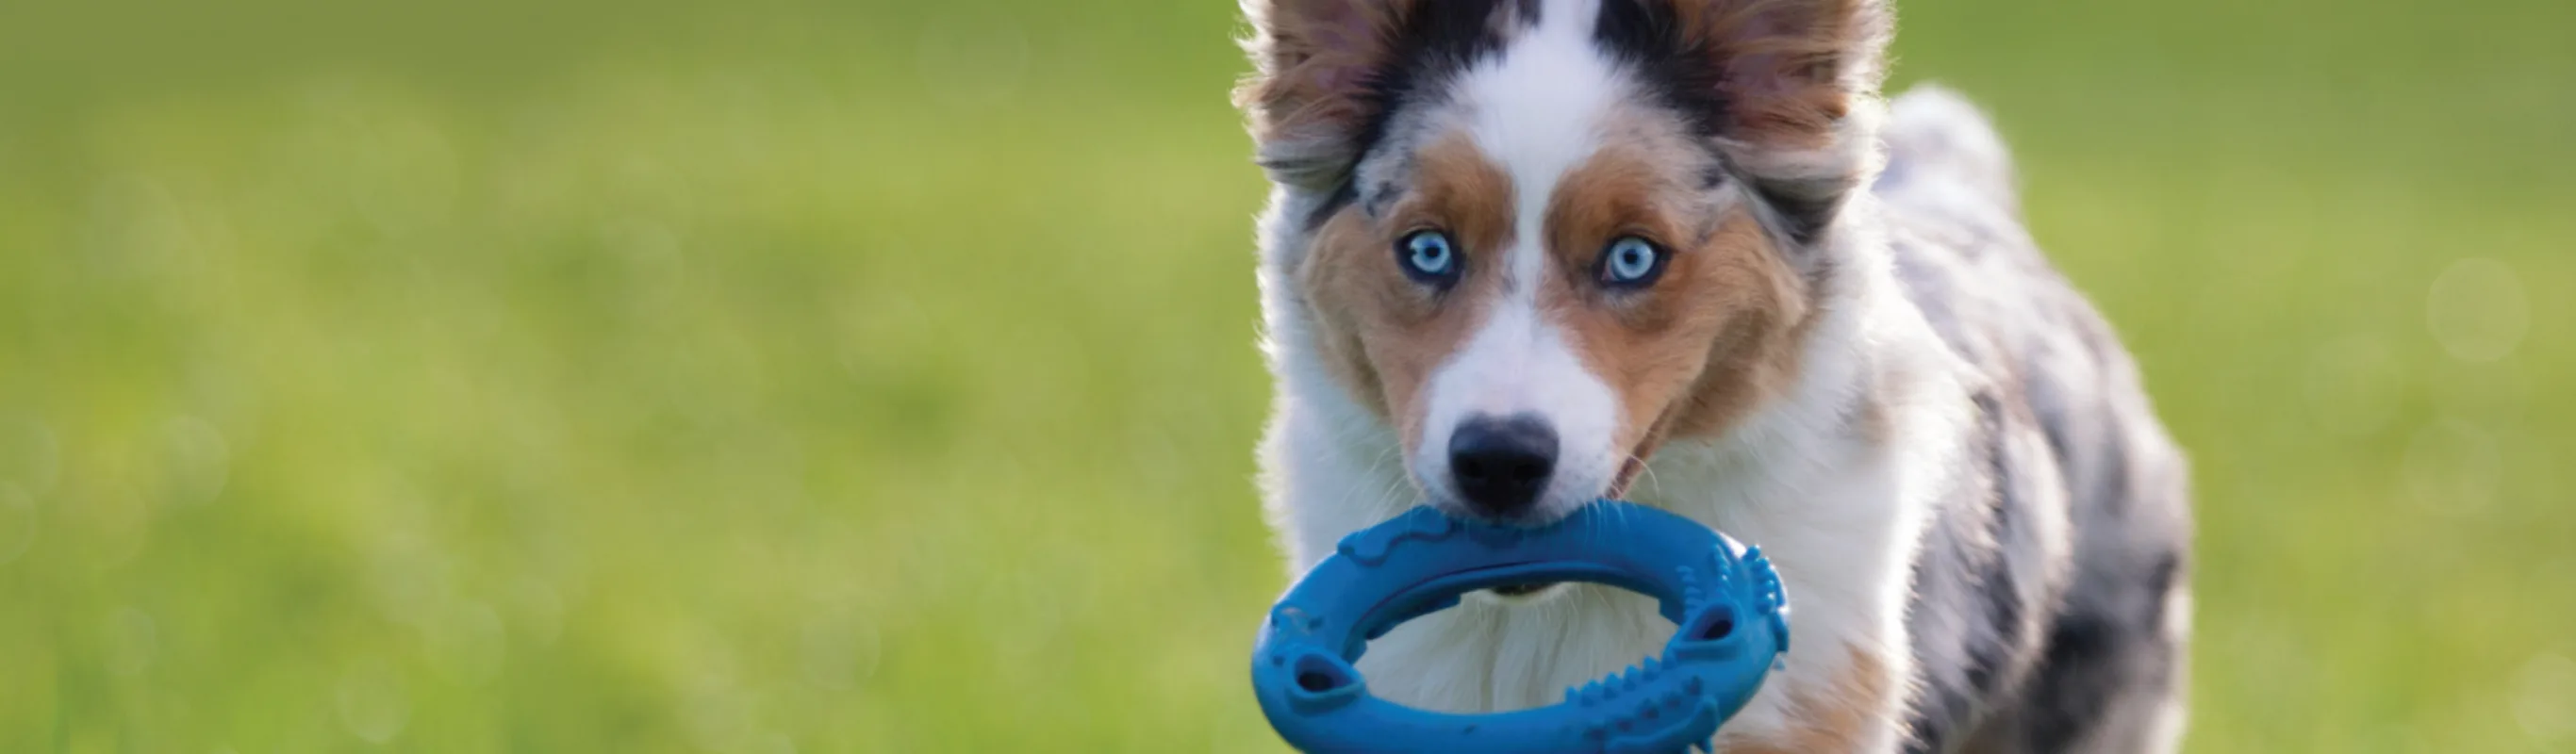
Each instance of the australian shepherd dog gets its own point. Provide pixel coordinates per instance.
(1522, 255)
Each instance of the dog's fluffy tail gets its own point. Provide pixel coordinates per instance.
(1938, 144)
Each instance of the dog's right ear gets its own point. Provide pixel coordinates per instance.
(1311, 92)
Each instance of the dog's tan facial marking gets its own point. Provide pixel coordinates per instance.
(1710, 338)
(1525, 357)
(1755, 355)
(1383, 333)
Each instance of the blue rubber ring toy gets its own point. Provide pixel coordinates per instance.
(1725, 599)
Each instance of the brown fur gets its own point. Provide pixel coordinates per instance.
(1724, 330)
(1710, 340)
(1311, 61)
(1784, 65)
(1707, 341)
(1689, 355)
(1385, 333)
(1837, 718)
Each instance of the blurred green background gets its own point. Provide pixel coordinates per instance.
(779, 377)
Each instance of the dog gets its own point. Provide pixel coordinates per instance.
(1520, 255)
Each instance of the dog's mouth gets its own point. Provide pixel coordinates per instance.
(1618, 490)
(1627, 476)
(1524, 592)
(1637, 455)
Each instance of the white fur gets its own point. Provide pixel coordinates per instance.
(1519, 363)
(1838, 510)
(1538, 110)
(1840, 513)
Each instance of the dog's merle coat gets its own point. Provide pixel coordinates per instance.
(2018, 653)
(2049, 599)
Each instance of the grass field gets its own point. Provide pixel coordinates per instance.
(832, 377)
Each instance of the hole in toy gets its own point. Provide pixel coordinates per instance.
(1713, 624)
(1317, 675)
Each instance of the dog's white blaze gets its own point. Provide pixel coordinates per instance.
(1536, 110)
(1518, 363)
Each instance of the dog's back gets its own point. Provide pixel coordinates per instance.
(2049, 614)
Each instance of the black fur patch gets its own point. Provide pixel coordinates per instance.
(2017, 655)
(1645, 35)
(1342, 196)
(1529, 11)
(2067, 703)
(1805, 211)
(1433, 43)
(1714, 176)
(1969, 620)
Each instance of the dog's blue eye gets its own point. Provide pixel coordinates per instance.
(1427, 256)
(1631, 262)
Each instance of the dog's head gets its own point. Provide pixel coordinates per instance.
(1540, 237)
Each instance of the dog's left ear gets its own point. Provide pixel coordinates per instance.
(1787, 88)
(1314, 63)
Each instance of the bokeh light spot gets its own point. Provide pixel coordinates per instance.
(2453, 466)
(2544, 699)
(466, 646)
(115, 519)
(135, 228)
(717, 720)
(2477, 310)
(383, 153)
(133, 642)
(411, 579)
(371, 702)
(195, 460)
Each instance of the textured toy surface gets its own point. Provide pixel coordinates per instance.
(1725, 599)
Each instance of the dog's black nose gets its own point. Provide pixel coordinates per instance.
(1501, 464)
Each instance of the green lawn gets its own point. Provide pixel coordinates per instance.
(855, 378)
